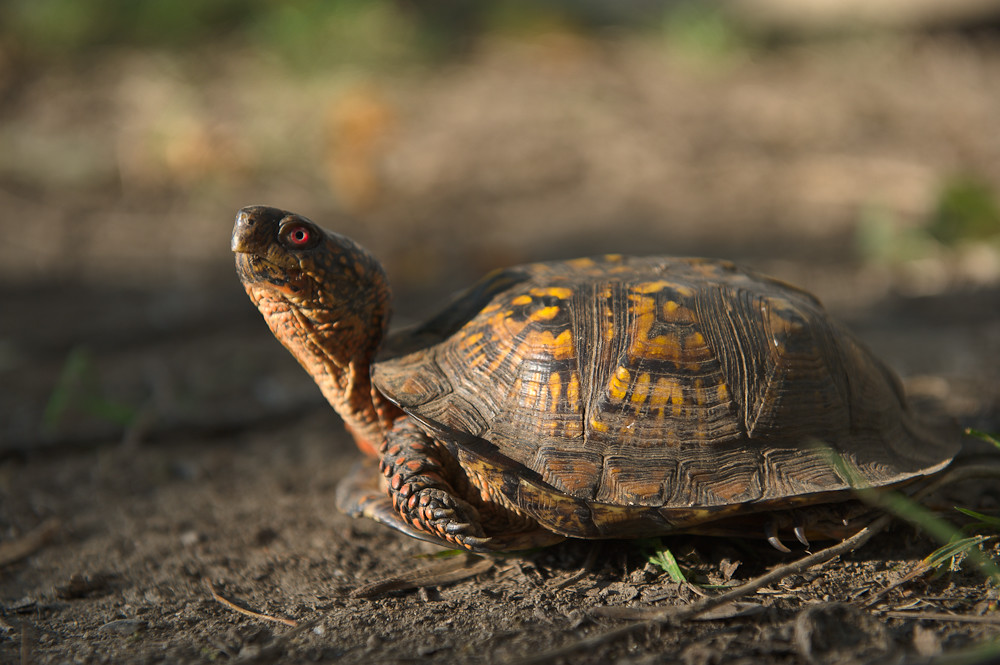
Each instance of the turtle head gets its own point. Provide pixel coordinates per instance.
(324, 297)
(283, 255)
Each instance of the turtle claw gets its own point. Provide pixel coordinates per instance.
(800, 534)
(771, 531)
(777, 544)
(442, 514)
(476, 543)
(456, 527)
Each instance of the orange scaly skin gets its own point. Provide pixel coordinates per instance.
(327, 303)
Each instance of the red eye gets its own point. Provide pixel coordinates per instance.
(299, 236)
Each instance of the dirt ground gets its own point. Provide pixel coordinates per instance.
(157, 444)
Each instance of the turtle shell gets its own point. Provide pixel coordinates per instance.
(624, 396)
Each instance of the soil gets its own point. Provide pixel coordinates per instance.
(158, 446)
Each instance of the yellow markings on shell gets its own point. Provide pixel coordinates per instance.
(618, 386)
(573, 391)
(613, 257)
(699, 392)
(677, 313)
(696, 350)
(650, 287)
(641, 389)
(677, 399)
(545, 314)
(584, 262)
(564, 345)
(598, 426)
(521, 300)
(477, 360)
(560, 292)
(722, 392)
(533, 392)
(607, 315)
(660, 347)
(609, 328)
(471, 340)
(659, 396)
(555, 387)
(695, 340)
(666, 391)
(558, 346)
(489, 309)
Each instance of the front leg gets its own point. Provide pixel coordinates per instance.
(417, 478)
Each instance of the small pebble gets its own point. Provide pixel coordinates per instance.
(190, 538)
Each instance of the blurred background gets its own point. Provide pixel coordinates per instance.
(850, 147)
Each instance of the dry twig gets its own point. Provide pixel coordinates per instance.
(29, 543)
(920, 569)
(242, 610)
(941, 616)
(454, 570)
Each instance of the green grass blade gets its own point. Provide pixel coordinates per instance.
(989, 521)
(984, 436)
(76, 366)
(664, 559)
(951, 550)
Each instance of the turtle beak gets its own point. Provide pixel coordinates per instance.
(255, 229)
(243, 231)
(239, 233)
(250, 241)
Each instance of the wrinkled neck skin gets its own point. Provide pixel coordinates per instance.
(336, 344)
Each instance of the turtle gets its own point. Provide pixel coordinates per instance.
(595, 398)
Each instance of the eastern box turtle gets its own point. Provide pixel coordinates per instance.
(607, 397)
